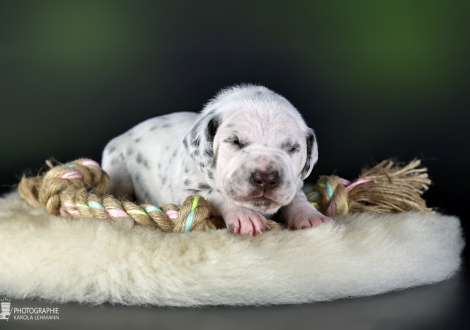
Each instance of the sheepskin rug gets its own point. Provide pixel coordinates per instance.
(93, 261)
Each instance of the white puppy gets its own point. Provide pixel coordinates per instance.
(247, 153)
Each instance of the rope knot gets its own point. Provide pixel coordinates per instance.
(330, 195)
(80, 189)
(385, 188)
(81, 174)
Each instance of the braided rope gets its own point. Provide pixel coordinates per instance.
(79, 189)
(385, 188)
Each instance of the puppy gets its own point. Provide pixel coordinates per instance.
(247, 153)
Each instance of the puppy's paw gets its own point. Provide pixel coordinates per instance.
(307, 219)
(246, 222)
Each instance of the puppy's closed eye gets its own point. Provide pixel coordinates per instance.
(235, 141)
(290, 146)
(295, 148)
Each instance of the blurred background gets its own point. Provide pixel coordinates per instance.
(375, 79)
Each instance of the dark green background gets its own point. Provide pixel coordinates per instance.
(375, 79)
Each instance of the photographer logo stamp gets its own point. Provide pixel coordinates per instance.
(8, 312)
(5, 308)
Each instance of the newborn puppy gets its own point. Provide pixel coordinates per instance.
(247, 153)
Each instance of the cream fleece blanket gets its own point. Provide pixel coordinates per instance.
(93, 261)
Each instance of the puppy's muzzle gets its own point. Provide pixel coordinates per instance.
(265, 180)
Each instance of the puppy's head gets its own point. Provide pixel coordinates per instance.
(253, 146)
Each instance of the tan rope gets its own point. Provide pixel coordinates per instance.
(385, 188)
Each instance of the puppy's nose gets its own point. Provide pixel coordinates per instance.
(265, 180)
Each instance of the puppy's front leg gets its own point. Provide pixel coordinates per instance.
(300, 214)
(239, 220)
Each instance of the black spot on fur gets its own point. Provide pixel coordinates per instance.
(310, 140)
(112, 149)
(209, 153)
(139, 158)
(203, 186)
(114, 161)
(146, 164)
(210, 174)
(231, 125)
(187, 182)
(129, 151)
(212, 127)
(193, 191)
(159, 165)
(186, 169)
(164, 179)
(175, 153)
(138, 140)
(153, 128)
(196, 142)
(167, 125)
(210, 191)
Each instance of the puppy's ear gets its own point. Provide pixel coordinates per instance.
(199, 141)
(312, 154)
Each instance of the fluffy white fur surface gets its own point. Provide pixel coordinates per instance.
(92, 261)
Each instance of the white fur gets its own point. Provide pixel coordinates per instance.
(244, 130)
(93, 261)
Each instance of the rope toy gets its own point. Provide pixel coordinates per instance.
(81, 189)
(385, 188)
